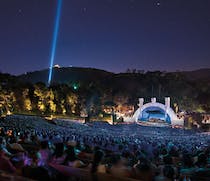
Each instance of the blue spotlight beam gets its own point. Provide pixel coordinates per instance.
(54, 42)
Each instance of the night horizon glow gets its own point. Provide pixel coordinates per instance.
(54, 42)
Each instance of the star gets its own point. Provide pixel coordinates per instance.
(158, 3)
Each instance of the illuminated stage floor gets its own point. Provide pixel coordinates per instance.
(155, 124)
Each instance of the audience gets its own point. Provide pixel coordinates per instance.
(30, 145)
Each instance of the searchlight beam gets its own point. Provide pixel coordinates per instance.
(54, 42)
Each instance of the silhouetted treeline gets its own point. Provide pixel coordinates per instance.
(81, 91)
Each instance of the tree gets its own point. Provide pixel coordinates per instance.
(7, 100)
(40, 92)
(50, 97)
(27, 101)
(128, 71)
(71, 102)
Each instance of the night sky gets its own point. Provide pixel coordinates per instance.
(108, 34)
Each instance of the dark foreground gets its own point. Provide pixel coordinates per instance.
(34, 148)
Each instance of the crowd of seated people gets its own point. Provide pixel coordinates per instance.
(34, 148)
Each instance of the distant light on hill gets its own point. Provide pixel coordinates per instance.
(56, 66)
